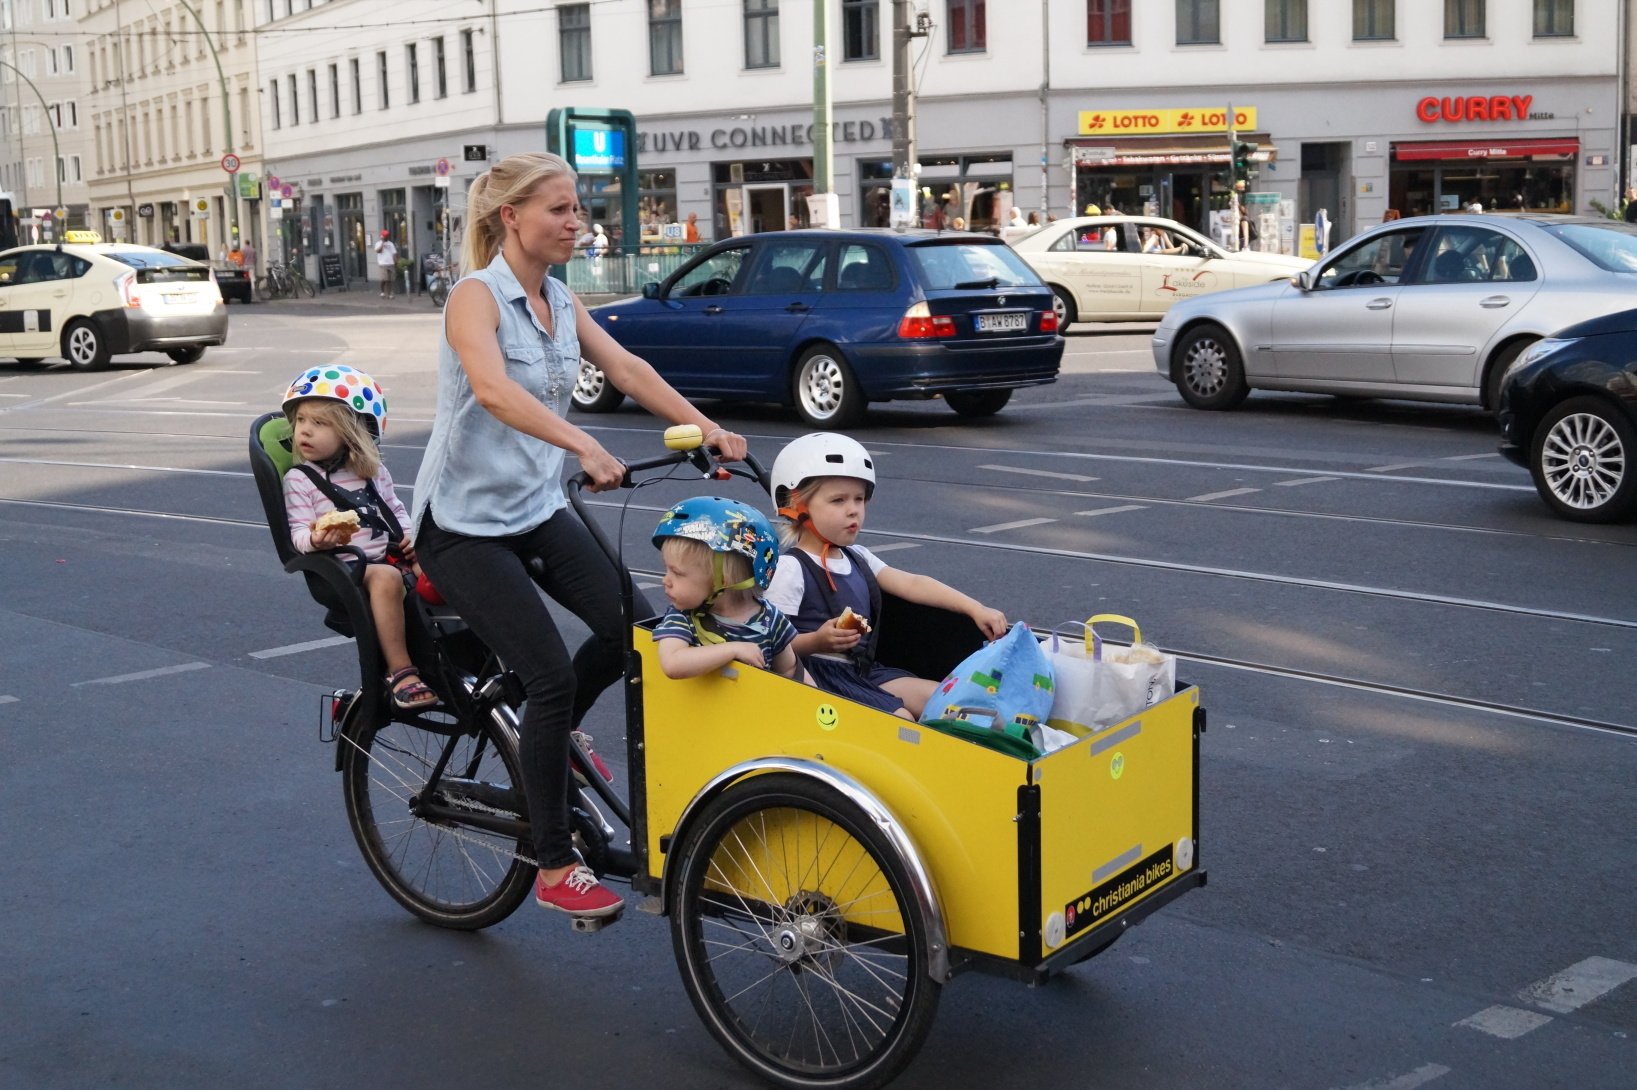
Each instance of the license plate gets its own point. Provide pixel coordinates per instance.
(1002, 323)
(180, 296)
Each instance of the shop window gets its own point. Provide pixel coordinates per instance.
(860, 30)
(966, 24)
(1373, 20)
(1286, 20)
(1108, 22)
(1199, 22)
(664, 37)
(761, 33)
(574, 41)
(1554, 18)
(1463, 18)
(656, 202)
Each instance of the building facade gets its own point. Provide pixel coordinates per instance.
(170, 97)
(45, 155)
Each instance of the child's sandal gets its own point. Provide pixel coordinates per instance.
(410, 695)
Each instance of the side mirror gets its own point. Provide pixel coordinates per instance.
(1306, 279)
(650, 290)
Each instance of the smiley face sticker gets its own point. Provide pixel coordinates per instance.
(827, 717)
(1116, 767)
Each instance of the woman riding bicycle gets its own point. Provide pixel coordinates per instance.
(489, 498)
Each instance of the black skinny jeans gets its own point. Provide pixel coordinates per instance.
(487, 580)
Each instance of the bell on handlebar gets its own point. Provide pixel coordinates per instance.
(683, 437)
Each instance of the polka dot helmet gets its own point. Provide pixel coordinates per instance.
(348, 385)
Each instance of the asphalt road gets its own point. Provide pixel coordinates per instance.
(1417, 806)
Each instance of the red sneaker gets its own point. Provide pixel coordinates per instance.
(578, 894)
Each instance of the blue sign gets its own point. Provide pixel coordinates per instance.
(599, 149)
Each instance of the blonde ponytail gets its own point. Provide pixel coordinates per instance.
(510, 181)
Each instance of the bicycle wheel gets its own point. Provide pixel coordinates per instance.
(305, 285)
(264, 290)
(798, 938)
(439, 290)
(463, 878)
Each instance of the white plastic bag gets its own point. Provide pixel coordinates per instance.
(1099, 684)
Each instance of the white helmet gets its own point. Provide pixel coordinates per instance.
(821, 454)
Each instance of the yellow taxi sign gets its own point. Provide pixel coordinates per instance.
(82, 236)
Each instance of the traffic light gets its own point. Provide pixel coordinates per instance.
(1243, 168)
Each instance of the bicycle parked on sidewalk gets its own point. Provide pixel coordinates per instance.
(437, 279)
(283, 281)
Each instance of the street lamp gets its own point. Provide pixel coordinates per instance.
(227, 119)
(56, 156)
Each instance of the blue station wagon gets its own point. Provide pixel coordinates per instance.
(828, 321)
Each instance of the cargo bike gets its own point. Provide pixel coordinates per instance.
(826, 867)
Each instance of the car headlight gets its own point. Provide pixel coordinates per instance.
(1539, 349)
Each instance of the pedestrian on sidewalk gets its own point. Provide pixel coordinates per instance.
(386, 259)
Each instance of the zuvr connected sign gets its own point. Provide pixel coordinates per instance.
(599, 149)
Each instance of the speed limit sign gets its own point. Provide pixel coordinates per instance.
(230, 163)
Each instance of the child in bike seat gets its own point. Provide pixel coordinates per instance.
(719, 557)
(337, 414)
(825, 582)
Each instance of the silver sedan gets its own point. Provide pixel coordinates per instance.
(1433, 308)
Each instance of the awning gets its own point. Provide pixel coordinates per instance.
(1486, 149)
(1136, 151)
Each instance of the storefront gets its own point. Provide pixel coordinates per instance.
(1506, 171)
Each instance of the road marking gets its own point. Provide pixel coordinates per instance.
(1222, 495)
(8, 700)
(147, 469)
(1507, 1022)
(75, 393)
(1394, 468)
(999, 526)
(298, 648)
(1419, 1077)
(1578, 985)
(143, 675)
(1113, 510)
(1305, 480)
(1042, 473)
(1470, 457)
(892, 545)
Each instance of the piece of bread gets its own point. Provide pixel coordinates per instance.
(344, 523)
(851, 620)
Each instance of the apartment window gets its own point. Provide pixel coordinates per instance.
(1286, 20)
(664, 37)
(1463, 18)
(966, 26)
(357, 86)
(761, 33)
(860, 30)
(468, 52)
(1199, 22)
(381, 75)
(413, 71)
(1373, 20)
(295, 103)
(574, 41)
(440, 69)
(273, 103)
(312, 95)
(1108, 22)
(335, 90)
(68, 51)
(1553, 19)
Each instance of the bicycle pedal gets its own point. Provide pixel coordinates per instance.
(588, 925)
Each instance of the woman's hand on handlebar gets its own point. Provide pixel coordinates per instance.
(603, 471)
(729, 446)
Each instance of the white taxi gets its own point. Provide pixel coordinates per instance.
(1132, 268)
(89, 302)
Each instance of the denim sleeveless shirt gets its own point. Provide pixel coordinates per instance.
(482, 477)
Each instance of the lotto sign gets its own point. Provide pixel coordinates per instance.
(1136, 122)
(230, 163)
(201, 208)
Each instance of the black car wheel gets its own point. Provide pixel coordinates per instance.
(191, 354)
(978, 402)
(826, 393)
(593, 393)
(1581, 461)
(1063, 304)
(84, 346)
(1207, 369)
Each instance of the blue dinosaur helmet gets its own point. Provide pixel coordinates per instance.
(725, 526)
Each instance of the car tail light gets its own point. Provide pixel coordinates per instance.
(127, 289)
(1048, 321)
(919, 324)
